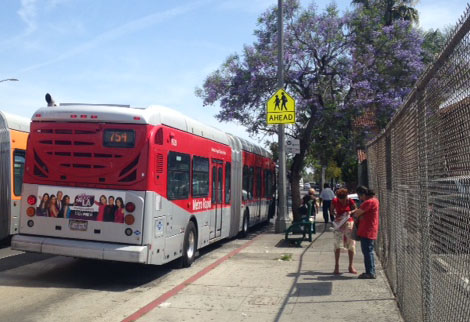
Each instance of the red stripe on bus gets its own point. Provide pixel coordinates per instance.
(149, 307)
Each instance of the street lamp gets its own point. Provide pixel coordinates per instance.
(9, 79)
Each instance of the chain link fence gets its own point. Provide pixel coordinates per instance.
(419, 167)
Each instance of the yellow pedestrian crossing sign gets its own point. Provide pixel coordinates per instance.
(280, 108)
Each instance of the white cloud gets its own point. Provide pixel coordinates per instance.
(125, 29)
(51, 4)
(28, 13)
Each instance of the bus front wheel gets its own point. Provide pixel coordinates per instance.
(189, 245)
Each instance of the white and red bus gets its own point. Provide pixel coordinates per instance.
(137, 185)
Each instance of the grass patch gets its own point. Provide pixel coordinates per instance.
(286, 257)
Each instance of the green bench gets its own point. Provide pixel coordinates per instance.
(300, 231)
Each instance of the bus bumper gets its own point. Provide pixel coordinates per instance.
(80, 248)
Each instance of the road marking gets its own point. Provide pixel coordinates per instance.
(11, 255)
(149, 307)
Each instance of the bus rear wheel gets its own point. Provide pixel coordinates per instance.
(189, 245)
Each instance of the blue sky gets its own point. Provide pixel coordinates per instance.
(137, 52)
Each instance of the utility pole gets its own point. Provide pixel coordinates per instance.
(282, 219)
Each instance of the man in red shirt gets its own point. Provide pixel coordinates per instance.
(368, 220)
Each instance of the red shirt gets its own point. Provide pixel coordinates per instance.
(341, 209)
(369, 221)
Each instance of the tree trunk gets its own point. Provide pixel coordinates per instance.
(296, 197)
(323, 176)
(388, 12)
(298, 164)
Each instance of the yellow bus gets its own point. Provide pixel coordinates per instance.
(14, 131)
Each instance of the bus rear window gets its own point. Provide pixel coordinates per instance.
(19, 160)
(114, 138)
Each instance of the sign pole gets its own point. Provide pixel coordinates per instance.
(282, 219)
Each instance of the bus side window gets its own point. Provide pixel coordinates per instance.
(258, 182)
(266, 184)
(18, 171)
(246, 183)
(227, 182)
(178, 176)
(251, 183)
(200, 177)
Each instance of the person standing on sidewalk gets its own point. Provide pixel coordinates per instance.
(368, 220)
(312, 203)
(326, 197)
(341, 207)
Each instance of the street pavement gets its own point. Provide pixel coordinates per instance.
(257, 278)
(272, 281)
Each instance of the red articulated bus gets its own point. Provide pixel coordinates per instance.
(137, 185)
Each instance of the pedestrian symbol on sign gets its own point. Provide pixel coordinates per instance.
(284, 101)
(280, 108)
(277, 102)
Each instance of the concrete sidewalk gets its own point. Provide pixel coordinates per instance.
(257, 285)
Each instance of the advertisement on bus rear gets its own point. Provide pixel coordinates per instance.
(72, 203)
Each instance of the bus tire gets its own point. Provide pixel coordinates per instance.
(189, 245)
(246, 221)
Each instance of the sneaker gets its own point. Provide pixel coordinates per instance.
(366, 276)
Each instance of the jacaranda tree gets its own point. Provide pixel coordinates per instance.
(317, 73)
(387, 61)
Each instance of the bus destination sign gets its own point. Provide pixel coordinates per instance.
(119, 138)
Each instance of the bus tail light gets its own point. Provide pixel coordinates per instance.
(30, 211)
(32, 200)
(129, 220)
(130, 207)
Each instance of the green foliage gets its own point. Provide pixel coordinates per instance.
(285, 257)
(433, 44)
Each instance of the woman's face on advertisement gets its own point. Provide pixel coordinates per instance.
(103, 200)
(53, 200)
(118, 203)
(67, 200)
(45, 197)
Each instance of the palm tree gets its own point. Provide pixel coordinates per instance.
(393, 9)
(405, 12)
(400, 9)
(365, 3)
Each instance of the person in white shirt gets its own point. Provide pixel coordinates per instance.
(326, 196)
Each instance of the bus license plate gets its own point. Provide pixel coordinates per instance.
(79, 225)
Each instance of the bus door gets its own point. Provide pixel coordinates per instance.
(217, 193)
